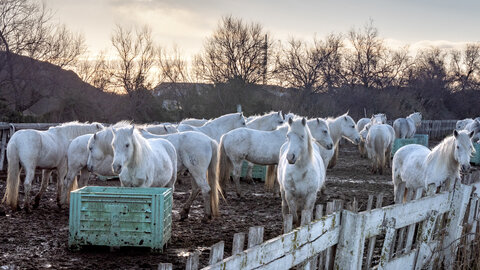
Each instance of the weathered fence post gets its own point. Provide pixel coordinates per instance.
(216, 253)
(461, 197)
(192, 261)
(255, 236)
(164, 266)
(351, 241)
(238, 243)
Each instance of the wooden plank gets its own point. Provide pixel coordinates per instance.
(351, 241)
(424, 252)
(255, 236)
(328, 253)
(319, 211)
(289, 249)
(387, 243)
(320, 257)
(407, 261)
(306, 217)
(216, 252)
(411, 212)
(3, 147)
(164, 266)
(238, 243)
(411, 228)
(192, 261)
(288, 223)
(371, 241)
(454, 227)
(401, 232)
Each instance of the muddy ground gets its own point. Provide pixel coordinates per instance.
(40, 239)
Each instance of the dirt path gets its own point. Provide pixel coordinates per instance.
(39, 240)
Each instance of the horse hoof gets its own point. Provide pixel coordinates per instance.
(183, 215)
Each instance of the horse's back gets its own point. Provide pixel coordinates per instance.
(35, 146)
(361, 123)
(408, 164)
(185, 127)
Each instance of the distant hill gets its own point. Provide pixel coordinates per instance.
(48, 92)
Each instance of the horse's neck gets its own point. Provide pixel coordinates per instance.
(443, 158)
(257, 122)
(334, 125)
(106, 142)
(140, 151)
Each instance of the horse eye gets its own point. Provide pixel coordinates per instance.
(127, 145)
(90, 148)
(353, 126)
(302, 136)
(325, 132)
(458, 147)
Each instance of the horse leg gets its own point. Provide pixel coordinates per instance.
(68, 184)
(292, 205)
(333, 161)
(248, 176)
(237, 170)
(84, 177)
(186, 207)
(27, 187)
(61, 173)
(45, 180)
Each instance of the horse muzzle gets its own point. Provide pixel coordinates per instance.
(465, 168)
(357, 140)
(330, 146)
(117, 168)
(90, 168)
(291, 159)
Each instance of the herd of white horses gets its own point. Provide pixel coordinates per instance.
(296, 150)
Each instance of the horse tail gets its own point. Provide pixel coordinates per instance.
(224, 164)
(397, 128)
(380, 154)
(13, 176)
(271, 177)
(213, 180)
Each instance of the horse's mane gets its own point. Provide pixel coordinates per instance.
(445, 149)
(140, 145)
(74, 129)
(122, 123)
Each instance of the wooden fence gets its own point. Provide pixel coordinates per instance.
(436, 129)
(417, 233)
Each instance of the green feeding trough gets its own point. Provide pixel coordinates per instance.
(421, 139)
(258, 171)
(120, 216)
(475, 159)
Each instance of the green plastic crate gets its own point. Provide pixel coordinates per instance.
(399, 143)
(475, 159)
(120, 216)
(258, 171)
(422, 139)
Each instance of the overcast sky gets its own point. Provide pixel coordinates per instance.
(186, 23)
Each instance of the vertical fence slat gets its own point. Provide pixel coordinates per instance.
(306, 217)
(255, 236)
(387, 243)
(238, 243)
(371, 241)
(351, 241)
(164, 266)
(192, 261)
(401, 232)
(425, 237)
(216, 253)
(411, 228)
(3, 147)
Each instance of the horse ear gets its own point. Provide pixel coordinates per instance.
(131, 130)
(165, 127)
(280, 113)
(95, 136)
(98, 126)
(471, 133)
(241, 114)
(290, 121)
(455, 133)
(318, 120)
(304, 121)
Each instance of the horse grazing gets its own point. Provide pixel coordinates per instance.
(342, 126)
(40, 149)
(217, 127)
(361, 145)
(406, 127)
(379, 144)
(418, 166)
(198, 153)
(143, 163)
(301, 172)
(194, 122)
(259, 147)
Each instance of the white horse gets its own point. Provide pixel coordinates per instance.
(159, 129)
(462, 123)
(198, 153)
(77, 158)
(406, 127)
(379, 144)
(267, 122)
(217, 127)
(260, 147)
(342, 126)
(474, 127)
(194, 122)
(418, 166)
(40, 149)
(301, 172)
(143, 163)
(361, 145)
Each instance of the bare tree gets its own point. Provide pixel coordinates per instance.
(63, 47)
(235, 51)
(96, 72)
(465, 67)
(429, 70)
(136, 56)
(172, 67)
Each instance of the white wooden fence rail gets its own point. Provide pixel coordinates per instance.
(417, 234)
